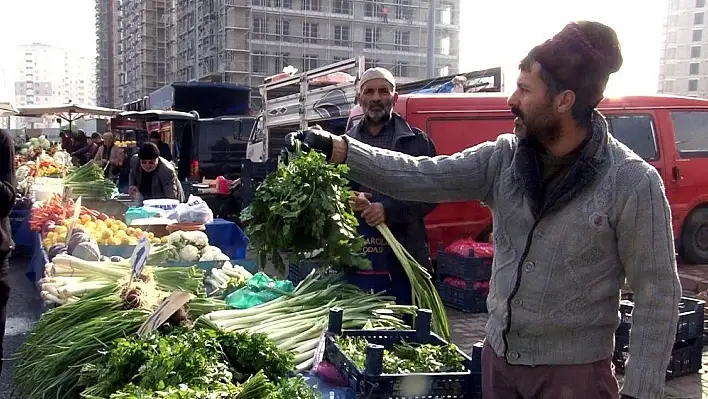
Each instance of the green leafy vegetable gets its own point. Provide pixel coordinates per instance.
(305, 207)
(187, 364)
(406, 358)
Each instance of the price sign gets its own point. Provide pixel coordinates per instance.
(74, 219)
(139, 257)
(163, 312)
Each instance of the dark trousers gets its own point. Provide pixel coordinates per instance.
(501, 380)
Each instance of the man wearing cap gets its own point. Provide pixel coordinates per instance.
(153, 177)
(383, 128)
(576, 214)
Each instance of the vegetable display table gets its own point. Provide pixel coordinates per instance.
(228, 237)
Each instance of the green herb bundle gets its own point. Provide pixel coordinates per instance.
(304, 207)
(406, 358)
(193, 364)
(87, 181)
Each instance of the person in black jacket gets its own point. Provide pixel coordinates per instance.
(7, 200)
(165, 150)
(383, 128)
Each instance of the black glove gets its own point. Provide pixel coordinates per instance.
(310, 139)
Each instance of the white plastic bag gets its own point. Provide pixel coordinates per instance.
(195, 210)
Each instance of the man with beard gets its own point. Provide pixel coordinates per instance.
(575, 214)
(383, 128)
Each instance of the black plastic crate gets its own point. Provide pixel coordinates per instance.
(690, 322)
(371, 383)
(468, 299)
(298, 271)
(469, 268)
(686, 357)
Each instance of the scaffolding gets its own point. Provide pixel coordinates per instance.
(106, 52)
(144, 43)
(243, 41)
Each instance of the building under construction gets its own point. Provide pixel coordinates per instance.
(243, 41)
(107, 55)
(143, 38)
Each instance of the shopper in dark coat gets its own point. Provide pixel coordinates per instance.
(7, 200)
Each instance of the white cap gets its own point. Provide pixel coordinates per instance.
(377, 73)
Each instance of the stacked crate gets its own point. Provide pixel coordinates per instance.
(688, 347)
(474, 271)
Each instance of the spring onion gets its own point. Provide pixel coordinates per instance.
(425, 295)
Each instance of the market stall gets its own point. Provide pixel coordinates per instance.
(181, 318)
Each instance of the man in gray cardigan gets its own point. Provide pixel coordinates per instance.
(576, 213)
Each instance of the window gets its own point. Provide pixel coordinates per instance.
(444, 71)
(696, 52)
(668, 87)
(670, 70)
(445, 46)
(693, 68)
(282, 28)
(691, 133)
(402, 40)
(259, 28)
(339, 58)
(342, 7)
(700, 3)
(401, 69)
(311, 62)
(673, 20)
(311, 5)
(446, 15)
(637, 133)
(341, 35)
(310, 32)
(693, 85)
(403, 10)
(371, 37)
(258, 61)
(371, 9)
(697, 35)
(698, 18)
(281, 61)
(671, 53)
(279, 3)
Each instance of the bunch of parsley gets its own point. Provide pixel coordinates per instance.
(304, 207)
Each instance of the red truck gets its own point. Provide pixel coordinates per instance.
(671, 133)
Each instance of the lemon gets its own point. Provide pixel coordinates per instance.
(163, 240)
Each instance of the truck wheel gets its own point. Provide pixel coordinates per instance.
(694, 238)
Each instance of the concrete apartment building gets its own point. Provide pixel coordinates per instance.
(107, 54)
(684, 55)
(244, 41)
(44, 74)
(142, 47)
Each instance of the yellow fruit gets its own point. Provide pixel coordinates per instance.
(91, 225)
(47, 243)
(108, 222)
(100, 225)
(121, 233)
(122, 225)
(66, 222)
(130, 231)
(151, 235)
(133, 241)
(107, 234)
(115, 227)
(116, 241)
(51, 235)
(61, 230)
(125, 241)
(163, 240)
(85, 219)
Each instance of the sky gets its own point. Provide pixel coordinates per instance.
(493, 32)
